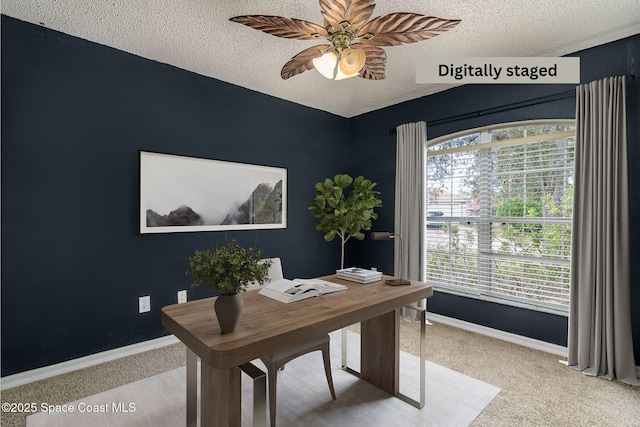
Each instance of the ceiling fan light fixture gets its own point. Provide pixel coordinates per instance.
(352, 61)
(326, 64)
(341, 76)
(345, 66)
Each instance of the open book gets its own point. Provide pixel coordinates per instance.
(285, 290)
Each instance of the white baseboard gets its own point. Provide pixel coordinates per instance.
(505, 336)
(83, 362)
(558, 350)
(495, 333)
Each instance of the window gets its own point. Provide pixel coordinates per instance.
(498, 223)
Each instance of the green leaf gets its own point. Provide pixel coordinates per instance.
(343, 180)
(330, 236)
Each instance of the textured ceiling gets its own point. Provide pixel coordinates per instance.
(196, 35)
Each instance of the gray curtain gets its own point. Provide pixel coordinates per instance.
(409, 204)
(600, 340)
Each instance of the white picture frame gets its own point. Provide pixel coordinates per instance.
(191, 194)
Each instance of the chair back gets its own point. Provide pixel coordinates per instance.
(275, 273)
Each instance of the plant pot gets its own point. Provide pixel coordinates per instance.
(228, 309)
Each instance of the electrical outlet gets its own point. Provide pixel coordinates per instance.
(144, 304)
(182, 296)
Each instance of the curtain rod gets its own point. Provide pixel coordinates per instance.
(506, 107)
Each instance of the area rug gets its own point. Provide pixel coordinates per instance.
(452, 399)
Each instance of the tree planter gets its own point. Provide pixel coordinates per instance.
(228, 309)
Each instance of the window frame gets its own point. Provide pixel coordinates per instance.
(483, 294)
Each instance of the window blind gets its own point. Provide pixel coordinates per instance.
(499, 214)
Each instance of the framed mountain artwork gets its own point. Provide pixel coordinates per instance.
(187, 194)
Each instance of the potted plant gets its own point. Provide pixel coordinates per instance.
(341, 214)
(228, 270)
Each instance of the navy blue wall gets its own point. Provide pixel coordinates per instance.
(373, 154)
(74, 115)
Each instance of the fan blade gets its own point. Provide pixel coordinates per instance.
(397, 28)
(356, 12)
(282, 27)
(374, 67)
(303, 61)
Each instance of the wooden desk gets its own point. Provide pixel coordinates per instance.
(267, 325)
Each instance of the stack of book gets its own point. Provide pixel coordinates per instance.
(360, 275)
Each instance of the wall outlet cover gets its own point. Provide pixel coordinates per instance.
(182, 296)
(144, 304)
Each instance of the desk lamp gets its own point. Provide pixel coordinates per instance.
(384, 235)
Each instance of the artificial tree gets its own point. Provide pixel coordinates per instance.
(341, 214)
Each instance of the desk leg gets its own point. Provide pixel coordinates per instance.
(220, 396)
(192, 389)
(380, 352)
(259, 393)
(423, 355)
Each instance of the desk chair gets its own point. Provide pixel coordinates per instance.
(276, 361)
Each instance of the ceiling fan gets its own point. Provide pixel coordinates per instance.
(354, 39)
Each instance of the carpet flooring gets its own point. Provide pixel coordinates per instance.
(452, 399)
